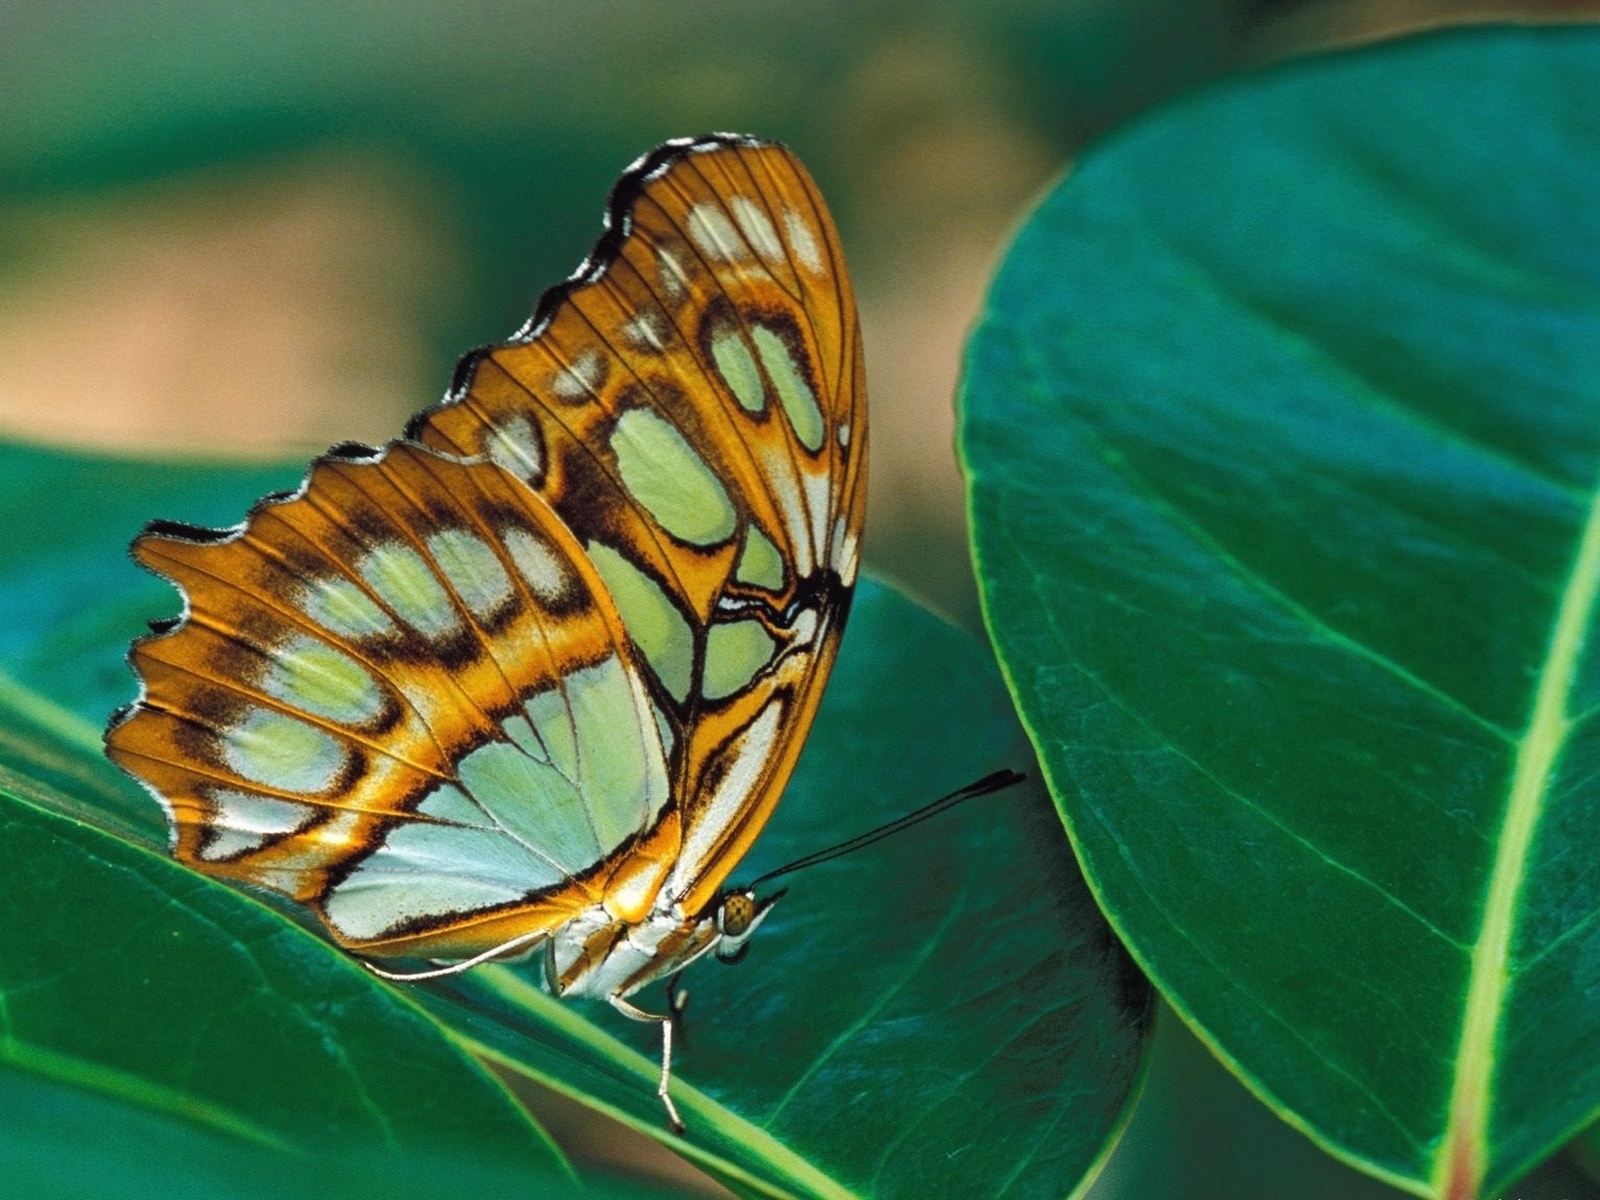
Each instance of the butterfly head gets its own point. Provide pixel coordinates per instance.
(738, 913)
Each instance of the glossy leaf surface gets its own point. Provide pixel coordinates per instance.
(1283, 432)
(945, 1006)
(128, 977)
(60, 1142)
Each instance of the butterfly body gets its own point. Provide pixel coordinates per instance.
(532, 678)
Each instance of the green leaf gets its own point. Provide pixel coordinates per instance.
(59, 1142)
(941, 1013)
(70, 596)
(1585, 1152)
(944, 1010)
(1283, 433)
(127, 975)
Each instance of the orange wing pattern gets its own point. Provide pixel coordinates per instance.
(347, 657)
(547, 664)
(715, 316)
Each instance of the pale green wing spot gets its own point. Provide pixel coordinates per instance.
(533, 802)
(521, 733)
(373, 901)
(624, 778)
(602, 778)
(341, 607)
(448, 803)
(735, 651)
(759, 563)
(738, 369)
(669, 480)
(652, 621)
(442, 868)
(549, 731)
(473, 570)
(403, 580)
(311, 675)
(244, 821)
(794, 393)
(282, 752)
(545, 574)
(663, 730)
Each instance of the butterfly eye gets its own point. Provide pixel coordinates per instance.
(738, 914)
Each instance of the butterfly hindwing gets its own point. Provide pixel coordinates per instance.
(692, 404)
(401, 696)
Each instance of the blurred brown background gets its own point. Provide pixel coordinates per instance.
(251, 230)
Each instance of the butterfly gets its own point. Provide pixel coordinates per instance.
(532, 678)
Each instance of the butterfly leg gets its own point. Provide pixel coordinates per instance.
(677, 1002)
(666, 1022)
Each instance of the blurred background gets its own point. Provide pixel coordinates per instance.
(249, 230)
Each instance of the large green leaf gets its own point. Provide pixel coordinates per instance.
(60, 1142)
(942, 1012)
(1283, 432)
(127, 975)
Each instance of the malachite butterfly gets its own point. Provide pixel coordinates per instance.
(533, 677)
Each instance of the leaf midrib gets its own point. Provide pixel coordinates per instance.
(1463, 1150)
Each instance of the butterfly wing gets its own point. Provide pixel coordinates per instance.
(401, 696)
(692, 404)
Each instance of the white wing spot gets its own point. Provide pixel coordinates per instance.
(805, 627)
(243, 821)
(674, 280)
(819, 499)
(803, 241)
(647, 331)
(758, 230)
(711, 230)
(580, 379)
(515, 445)
(786, 490)
(546, 575)
(845, 562)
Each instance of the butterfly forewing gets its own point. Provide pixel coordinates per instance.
(693, 405)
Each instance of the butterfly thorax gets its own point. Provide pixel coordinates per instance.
(597, 955)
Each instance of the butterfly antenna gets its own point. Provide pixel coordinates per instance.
(995, 782)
